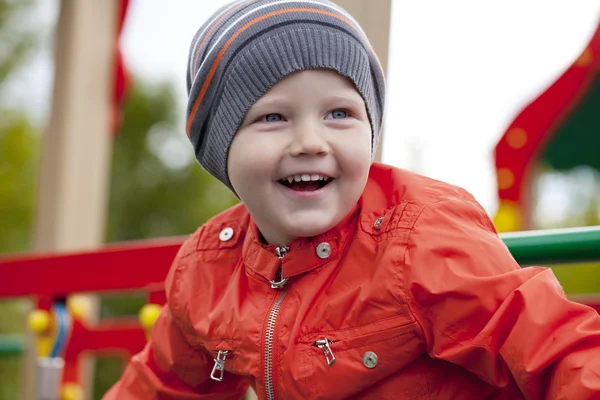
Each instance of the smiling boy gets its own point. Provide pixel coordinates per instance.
(301, 157)
(338, 277)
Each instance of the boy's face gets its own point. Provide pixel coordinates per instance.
(311, 124)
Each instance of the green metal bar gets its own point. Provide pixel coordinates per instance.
(554, 246)
(12, 345)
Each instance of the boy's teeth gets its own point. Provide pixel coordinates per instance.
(306, 178)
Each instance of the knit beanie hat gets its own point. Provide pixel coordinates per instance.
(247, 46)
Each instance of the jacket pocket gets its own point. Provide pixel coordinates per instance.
(372, 361)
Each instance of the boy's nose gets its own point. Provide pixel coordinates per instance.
(308, 139)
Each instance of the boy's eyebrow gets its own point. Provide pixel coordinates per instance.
(355, 98)
(272, 101)
(269, 101)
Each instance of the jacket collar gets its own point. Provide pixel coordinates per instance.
(304, 255)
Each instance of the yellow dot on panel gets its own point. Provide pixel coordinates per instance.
(71, 391)
(516, 138)
(585, 59)
(506, 178)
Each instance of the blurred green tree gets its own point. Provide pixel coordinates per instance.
(19, 148)
(157, 188)
(19, 139)
(18, 40)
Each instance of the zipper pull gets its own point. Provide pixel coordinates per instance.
(324, 344)
(219, 368)
(281, 282)
(281, 252)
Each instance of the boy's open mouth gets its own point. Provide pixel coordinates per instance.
(306, 182)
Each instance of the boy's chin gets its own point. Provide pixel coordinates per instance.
(308, 227)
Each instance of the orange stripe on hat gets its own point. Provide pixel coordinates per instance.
(211, 30)
(215, 65)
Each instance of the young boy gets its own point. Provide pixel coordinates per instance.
(338, 277)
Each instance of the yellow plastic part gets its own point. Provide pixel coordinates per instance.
(40, 323)
(80, 307)
(509, 217)
(148, 315)
(71, 391)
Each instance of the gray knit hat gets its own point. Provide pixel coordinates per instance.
(248, 46)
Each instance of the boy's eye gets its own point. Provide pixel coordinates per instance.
(272, 118)
(338, 114)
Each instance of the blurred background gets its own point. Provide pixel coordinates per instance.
(460, 74)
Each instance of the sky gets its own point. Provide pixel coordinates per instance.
(458, 73)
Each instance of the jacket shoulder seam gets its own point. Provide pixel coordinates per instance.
(402, 286)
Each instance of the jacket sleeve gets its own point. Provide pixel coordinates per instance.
(170, 368)
(478, 309)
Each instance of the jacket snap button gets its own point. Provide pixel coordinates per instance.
(226, 234)
(377, 224)
(370, 359)
(323, 250)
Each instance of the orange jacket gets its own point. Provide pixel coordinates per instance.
(413, 296)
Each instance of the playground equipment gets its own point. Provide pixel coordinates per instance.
(52, 333)
(58, 321)
(560, 128)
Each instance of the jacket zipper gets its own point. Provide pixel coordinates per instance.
(324, 345)
(281, 252)
(219, 368)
